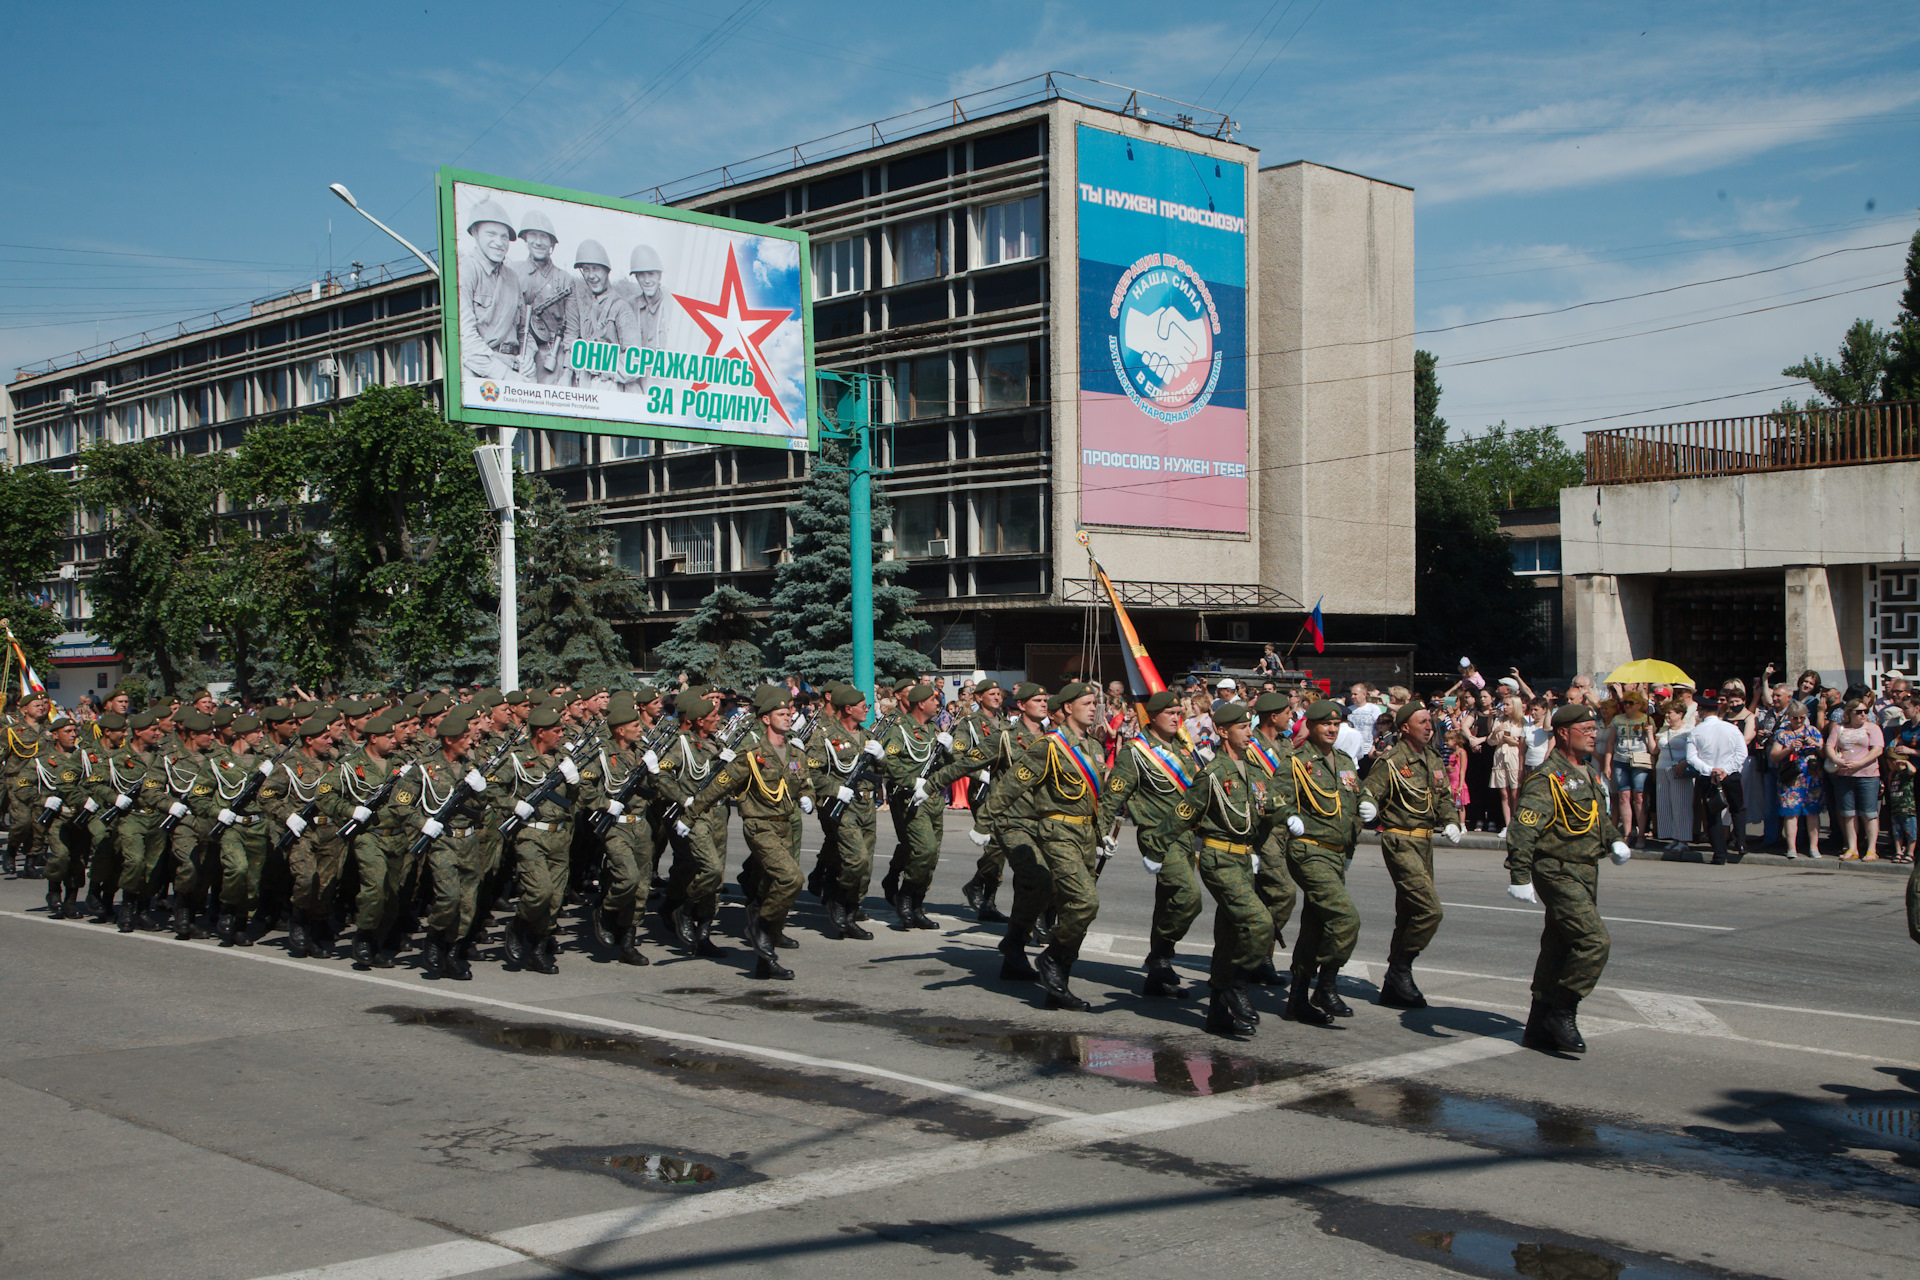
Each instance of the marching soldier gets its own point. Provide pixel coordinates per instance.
(252, 882)
(103, 867)
(1267, 751)
(1065, 773)
(380, 847)
(839, 745)
(64, 773)
(699, 860)
(769, 776)
(1152, 771)
(1227, 807)
(458, 856)
(630, 840)
(1015, 833)
(912, 749)
(542, 849)
(1319, 801)
(547, 294)
(605, 316)
(317, 853)
(979, 733)
(1407, 789)
(1560, 832)
(24, 735)
(140, 789)
(491, 329)
(189, 774)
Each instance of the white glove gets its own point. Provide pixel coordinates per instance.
(1108, 844)
(569, 770)
(1153, 868)
(523, 810)
(874, 749)
(979, 837)
(920, 792)
(1621, 855)
(652, 762)
(90, 806)
(177, 810)
(986, 776)
(362, 814)
(266, 769)
(228, 818)
(726, 755)
(681, 829)
(51, 802)
(806, 804)
(1452, 833)
(1523, 893)
(123, 801)
(431, 828)
(474, 781)
(296, 824)
(945, 740)
(844, 795)
(1295, 826)
(615, 808)
(1256, 862)
(1369, 811)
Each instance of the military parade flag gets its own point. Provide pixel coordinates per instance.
(29, 679)
(1317, 627)
(1143, 678)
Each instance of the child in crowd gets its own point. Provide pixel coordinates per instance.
(1457, 766)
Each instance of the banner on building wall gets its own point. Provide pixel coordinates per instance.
(580, 312)
(1163, 335)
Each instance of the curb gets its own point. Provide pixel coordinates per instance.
(1697, 856)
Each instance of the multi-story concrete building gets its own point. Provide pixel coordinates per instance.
(949, 260)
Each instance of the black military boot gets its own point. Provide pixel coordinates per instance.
(1161, 979)
(780, 938)
(70, 903)
(1014, 965)
(1536, 1035)
(1222, 1018)
(433, 957)
(630, 952)
(515, 943)
(1397, 989)
(1043, 928)
(685, 928)
(543, 954)
(1240, 993)
(766, 965)
(890, 885)
(53, 901)
(600, 930)
(123, 916)
(183, 928)
(1266, 975)
(223, 927)
(93, 905)
(1300, 1003)
(704, 945)
(1055, 967)
(1562, 1027)
(297, 939)
(989, 911)
(850, 922)
(817, 881)
(459, 961)
(921, 920)
(975, 892)
(146, 916)
(1326, 992)
(363, 949)
(756, 932)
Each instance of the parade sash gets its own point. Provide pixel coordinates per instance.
(1265, 755)
(1080, 762)
(1168, 763)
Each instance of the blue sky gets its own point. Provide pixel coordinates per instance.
(168, 160)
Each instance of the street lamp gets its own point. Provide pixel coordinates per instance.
(495, 462)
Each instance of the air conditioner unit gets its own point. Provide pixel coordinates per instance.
(939, 548)
(327, 367)
(98, 390)
(68, 395)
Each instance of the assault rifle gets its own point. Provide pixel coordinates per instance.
(430, 830)
(356, 824)
(866, 769)
(730, 734)
(523, 810)
(248, 794)
(602, 822)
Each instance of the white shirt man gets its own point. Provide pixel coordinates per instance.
(1355, 743)
(1715, 746)
(1539, 737)
(1362, 712)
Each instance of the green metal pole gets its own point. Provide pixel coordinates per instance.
(854, 413)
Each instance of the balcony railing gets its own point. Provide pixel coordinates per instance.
(1180, 595)
(1765, 442)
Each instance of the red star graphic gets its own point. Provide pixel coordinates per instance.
(736, 330)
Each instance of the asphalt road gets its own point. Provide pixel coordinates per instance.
(1750, 1104)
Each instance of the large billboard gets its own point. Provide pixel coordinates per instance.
(584, 313)
(1163, 335)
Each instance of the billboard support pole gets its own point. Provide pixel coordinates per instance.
(509, 579)
(854, 425)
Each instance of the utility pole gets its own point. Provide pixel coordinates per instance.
(853, 424)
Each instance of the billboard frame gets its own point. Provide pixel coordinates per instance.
(453, 371)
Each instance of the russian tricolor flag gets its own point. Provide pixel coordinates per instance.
(1317, 627)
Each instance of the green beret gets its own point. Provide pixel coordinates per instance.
(618, 715)
(1028, 690)
(381, 724)
(644, 694)
(1324, 709)
(1268, 702)
(488, 698)
(1156, 703)
(1407, 712)
(1075, 690)
(1232, 713)
(847, 695)
(453, 727)
(538, 697)
(1053, 702)
(518, 698)
(275, 715)
(769, 698)
(692, 709)
(904, 683)
(1572, 714)
(153, 704)
(985, 686)
(143, 720)
(354, 708)
(314, 726)
(415, 698)
(111, 721)
(62, 722)
(222, 716)
(544, 718)
(301, 710)
(195, 722)
(917, 694)
(243, 724)
(433, 706)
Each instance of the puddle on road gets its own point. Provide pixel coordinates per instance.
(1505, 1255)
(671, 1170)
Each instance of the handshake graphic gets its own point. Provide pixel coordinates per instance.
(1166, 340)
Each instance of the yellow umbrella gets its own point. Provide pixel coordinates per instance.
(1649, 671)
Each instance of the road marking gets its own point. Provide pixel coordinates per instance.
(1671, 924)
(542, 1011)
(432, 1262)
(1675, 1013)
(547, 1240)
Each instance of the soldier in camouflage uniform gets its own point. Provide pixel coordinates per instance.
(1267, 751)
(978, 732)
(103, 865)
(1152, 771)
(24, 734)
(914, 749)
(190, 777)
(1318, 800)
(317, 853)
(543, 848)
(630, 841)
(140, 789)
(63, 772)
(699, 860)
(1407, 790)
(246, 847)
(457, 856)
(837, 751)
(1561, 830)
(380, 846)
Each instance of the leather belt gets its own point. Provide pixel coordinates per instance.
(1077, 819)
(458, 831)
(625, 818)
(1418, 833)
(248, 819)
(320, 820)
(1227, 846)
(1330, 848)
(546, 826)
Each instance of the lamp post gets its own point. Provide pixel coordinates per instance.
(495, 462)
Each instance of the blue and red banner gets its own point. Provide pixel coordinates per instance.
(1317, 627)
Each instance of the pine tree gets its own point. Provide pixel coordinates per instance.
(813, 591)
(1429, 428)
(718, 644)
(569, 589)
(1903, 361)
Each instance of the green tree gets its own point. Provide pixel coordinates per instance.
(158, 588)
(1429, 428)
(718, 643)
(813, 591)
(1515, 467)
(36, 509)
(1902, 378)
(1858, 376)
(570, 590)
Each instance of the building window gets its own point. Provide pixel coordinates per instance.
(233, 399)
(917, 522)
(159, 415)
(1006, 373)
(563, 448)
(523, 451)
(1009, 521)
(626, 447)
(274, 395)
(919, 250)
(317, 381)
(1010, 232)
(763, 536)
(93, 428)
(363, 370)
(840, 266)
(691, 540)
(925, 388)
(409, 362)
(1536, 555)
(630, 548)
(197, 408)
